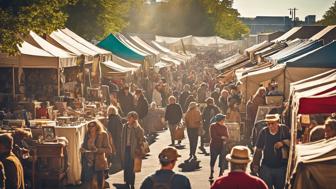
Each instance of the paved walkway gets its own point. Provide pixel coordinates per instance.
(198, 178)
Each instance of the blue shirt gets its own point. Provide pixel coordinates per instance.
(178, 181)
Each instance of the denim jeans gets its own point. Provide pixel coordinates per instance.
(129, 175)
(214, 153)
(172, 128)
(193, 140)
(273, 176)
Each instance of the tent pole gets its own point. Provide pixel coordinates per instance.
(58, 82)
(13, 82)
(284, 90)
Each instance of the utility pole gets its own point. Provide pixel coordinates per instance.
(292, 12)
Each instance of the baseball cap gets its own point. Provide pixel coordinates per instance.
(169, 154)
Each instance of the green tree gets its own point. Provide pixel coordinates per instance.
(94, 19)
(329, 18)
(226, 24)
(18, 17)
(189, 17)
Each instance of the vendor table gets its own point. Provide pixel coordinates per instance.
(75, 136)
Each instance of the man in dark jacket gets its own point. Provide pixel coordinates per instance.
(184, 96)
(165, 177)
(173, 115)
(202, 93)
(132, 136)
(141, 104)
(12, 165)
(234, 97)
(114, 126)
(126, 100)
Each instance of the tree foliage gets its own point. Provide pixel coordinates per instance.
(329, 18)
(94, 19)
(189, 17)
(18, 17)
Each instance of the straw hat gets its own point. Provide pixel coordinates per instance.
(240, 155)
(272, 117)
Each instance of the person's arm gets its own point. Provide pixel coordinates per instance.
(199, 117)
(226, 133)
(203, 115)
(180, 112)
(166, 113)
(258, 152)
(284, 135)
(83, 145)
(186, 119)
(106, 147)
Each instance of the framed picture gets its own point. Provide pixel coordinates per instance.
(49, 133)
(263, 110)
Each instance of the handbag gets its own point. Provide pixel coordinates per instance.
(144, 148)
(179, 132)
(201, 131)
(285, 152)
(137, 164)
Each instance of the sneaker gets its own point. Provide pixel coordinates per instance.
(187, 160)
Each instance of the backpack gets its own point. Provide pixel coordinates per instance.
(166, 184)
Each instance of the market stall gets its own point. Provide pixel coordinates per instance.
(313, 165)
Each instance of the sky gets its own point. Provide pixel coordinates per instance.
(253, 8)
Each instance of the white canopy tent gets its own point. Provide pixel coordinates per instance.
(85, 42)
(67, 59)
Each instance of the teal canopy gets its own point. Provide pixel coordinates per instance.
(111, 43)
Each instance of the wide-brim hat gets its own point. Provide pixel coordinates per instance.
(240, 155)
(272, 117)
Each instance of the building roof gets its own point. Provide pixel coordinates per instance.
(303, 32)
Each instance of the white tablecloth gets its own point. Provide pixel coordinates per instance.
(75, 136)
